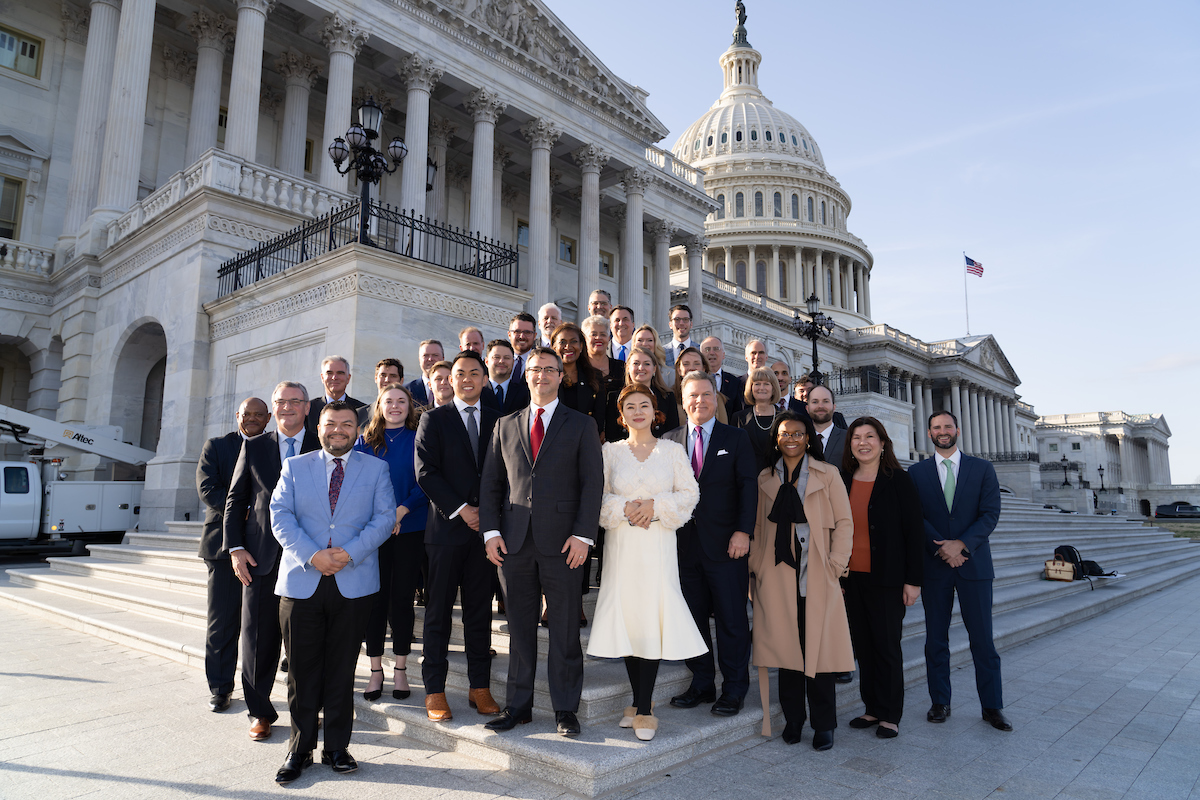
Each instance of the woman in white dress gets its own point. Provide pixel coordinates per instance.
(641, 616)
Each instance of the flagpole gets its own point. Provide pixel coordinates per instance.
(966, 303)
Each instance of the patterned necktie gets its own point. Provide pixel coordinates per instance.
(473, 432)
(335, 484)
(948, 487)
(537, 434)
(698, 452)
(291, 443)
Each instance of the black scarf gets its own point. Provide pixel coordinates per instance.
(787, 511)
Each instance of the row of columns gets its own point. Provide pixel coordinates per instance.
(987, 419)
(839, 280)
(1143, 461)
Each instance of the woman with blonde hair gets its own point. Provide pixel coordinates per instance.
(692, 360)
(641, 367)
(645, 336)
(761, 395)
(392, 436)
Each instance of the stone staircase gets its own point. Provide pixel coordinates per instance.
(149, 593)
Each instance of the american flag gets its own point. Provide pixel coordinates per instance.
(974, 267)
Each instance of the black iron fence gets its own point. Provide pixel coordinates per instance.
(866, 379)
(388, 229)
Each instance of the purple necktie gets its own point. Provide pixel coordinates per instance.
(698, 452)
(335, 484)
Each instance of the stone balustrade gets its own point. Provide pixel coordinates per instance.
(220, 171)
(26, 259)
(886, 331)
(669, 164)
(784, 224)
(752, 298)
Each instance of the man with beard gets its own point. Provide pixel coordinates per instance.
(960, 497)
(821, 407)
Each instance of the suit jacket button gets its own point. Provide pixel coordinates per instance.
(528, 499)
(331, 525)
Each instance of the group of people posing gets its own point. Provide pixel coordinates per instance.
(502, 469)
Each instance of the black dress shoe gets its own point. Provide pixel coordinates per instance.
(791, 733)
(843, 677)
(727, 706)
(860, 723)
(886, 733)
(567, 723)
(822, 740)
(509, 719)
(218, 702)
(293, 766)
(995, 718)
(694, 697)
(340, 760)
(938, 713)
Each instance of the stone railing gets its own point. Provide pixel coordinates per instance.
(888, 332)
(219, 171)
(26, 259)
(752, 298)
(732, 224)
(668, 163)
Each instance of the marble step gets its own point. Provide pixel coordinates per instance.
(169, 556)
(157, 540)
(182, 576)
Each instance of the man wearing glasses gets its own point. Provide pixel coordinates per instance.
(522, 333)
(254, 550)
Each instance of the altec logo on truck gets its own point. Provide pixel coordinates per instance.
(71, 436)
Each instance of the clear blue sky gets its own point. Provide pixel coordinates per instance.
(1057, 143)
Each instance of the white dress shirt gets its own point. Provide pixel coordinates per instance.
(955, 461)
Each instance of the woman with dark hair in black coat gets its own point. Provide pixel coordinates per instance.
(885, 569)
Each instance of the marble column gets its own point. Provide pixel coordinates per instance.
(1012, 426)
(500, 158)
(997, 431)
(751, 270)
(774, 289)
(241, 133)
(730, 275)
(344, 40)
(486, 106)
(697, 246)
(126, 119)
(866, 284)
(927, 394)
(212, 33)
(440, 131)
(299, 72)
(660, 280)
(962, 392)
(542, 133)
(914, 396)
(978, 422)
(635, 180)
(92, 112)
(420, 74)
(591, 160)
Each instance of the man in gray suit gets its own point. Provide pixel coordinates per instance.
(539, 507)
(821, 407)
(331, 510)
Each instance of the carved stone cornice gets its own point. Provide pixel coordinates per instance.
(440, 131)
(420, 73)
(343, 36)
(636, 179)
(179, 65)
(541, 132)
(696, 245)
(75, 22)
(263, 7)
(298, 69)
(485, 105)
(211, 30)
(663, 231)
(590, 158)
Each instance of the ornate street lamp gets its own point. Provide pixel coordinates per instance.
(817, 325)
(368, 164)
(1065, 464)
(1100, 469)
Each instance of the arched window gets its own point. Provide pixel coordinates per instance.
(768, 133)
(758, 204)
(721, 206)
(778, 204)
(709, 143)
(783, 286)
(782, 138)
(737, 136)
(696, 146)
(724, 137)
(794, 142)
(805, 143)
(754, 134)
(810, 210)
(822, 212)
(795, 206)
(740, 274)
(760, 277)
(739, 205)
(829, 286)
(721, 270)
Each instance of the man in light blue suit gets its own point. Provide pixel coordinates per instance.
(331, 510)
(960, 497)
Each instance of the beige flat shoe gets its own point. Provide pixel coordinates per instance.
(627, 720)
(645, 726)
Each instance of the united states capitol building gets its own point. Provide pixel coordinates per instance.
(175, 237)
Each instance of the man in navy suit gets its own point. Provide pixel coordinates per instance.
(335, 378)
(330, 512)
(452, 441)
(712, 546)
(729, 385)
(503, 391)
(430, 352)
(960, 496)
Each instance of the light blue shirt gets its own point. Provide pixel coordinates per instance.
(707, 427)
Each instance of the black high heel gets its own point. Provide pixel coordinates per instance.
(401, 694)
(374, 694)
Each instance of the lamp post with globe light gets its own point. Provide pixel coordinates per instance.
(817, 325)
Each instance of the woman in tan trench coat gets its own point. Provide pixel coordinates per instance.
(798, 574)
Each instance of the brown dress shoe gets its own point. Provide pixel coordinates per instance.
(481, 700)
(437, 708)
(260, 729)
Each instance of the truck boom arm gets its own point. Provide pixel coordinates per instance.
(16, 424)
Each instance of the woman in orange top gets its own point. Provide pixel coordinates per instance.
(885, 569)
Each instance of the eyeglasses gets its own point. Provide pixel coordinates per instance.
(281, 403)
(794, 435)
(541, 370)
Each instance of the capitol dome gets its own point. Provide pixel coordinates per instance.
(779, 230)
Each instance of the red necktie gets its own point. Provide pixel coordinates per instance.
(537, 434)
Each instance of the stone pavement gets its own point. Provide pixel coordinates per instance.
(1108, 708)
